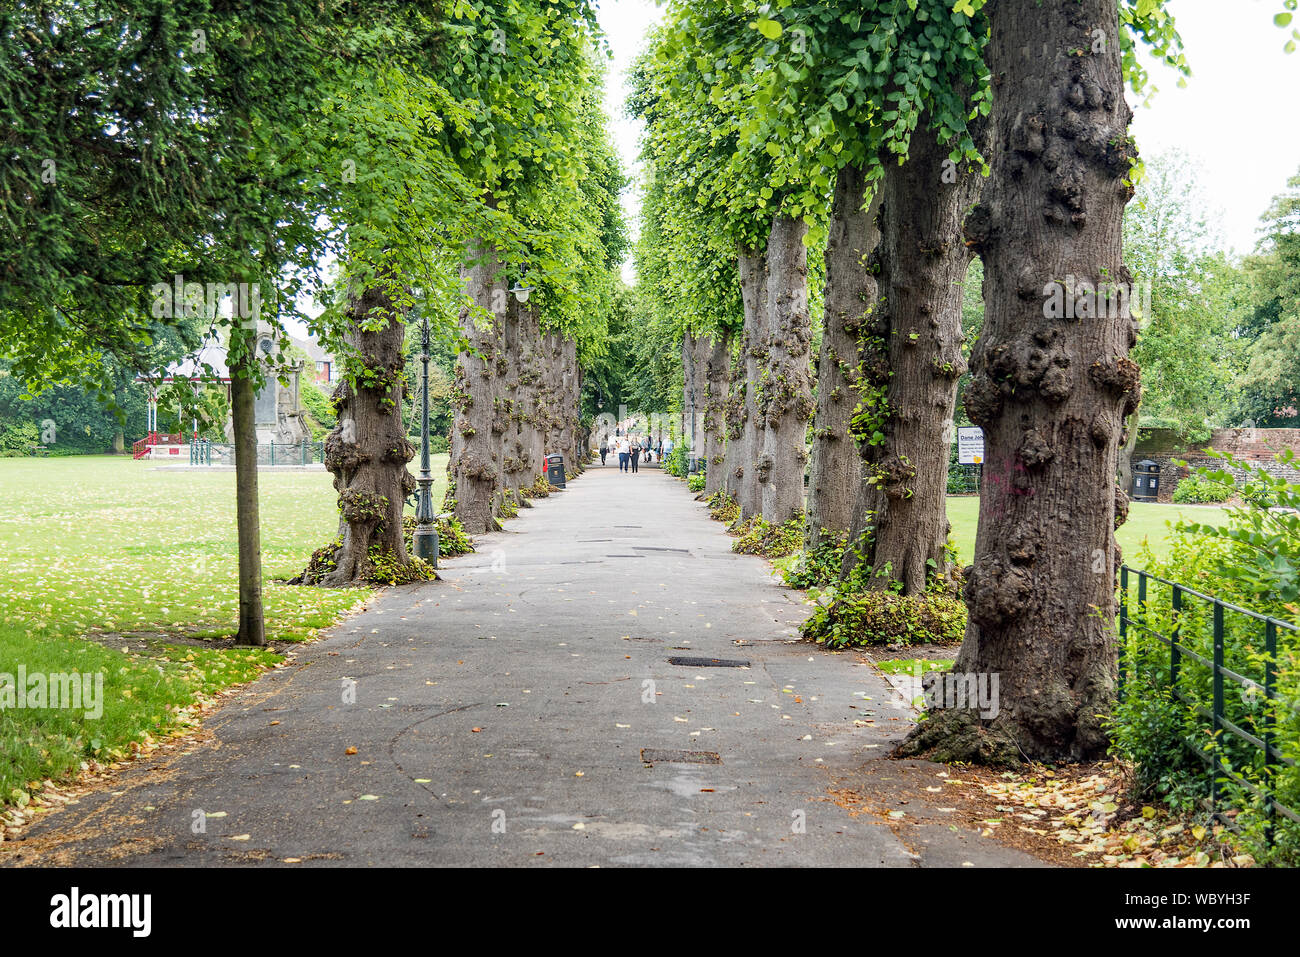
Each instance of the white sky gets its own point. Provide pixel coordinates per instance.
(1238, 119)
(626, 23)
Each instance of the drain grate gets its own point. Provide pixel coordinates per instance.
(708, 662)
(661, 756)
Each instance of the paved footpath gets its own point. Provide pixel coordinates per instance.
(510, 715)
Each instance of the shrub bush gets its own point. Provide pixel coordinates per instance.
(674, 463)
(854, 617)
(1252, 561)
(19, 438)
(1198, 490)
(695, 483)
(316, 402)
(723, 508)
(821, 566)
(757, 536)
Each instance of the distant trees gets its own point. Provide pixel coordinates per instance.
(1271, 382)
(1190, 300)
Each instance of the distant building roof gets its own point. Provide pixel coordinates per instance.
(211, 354)
(311, 345)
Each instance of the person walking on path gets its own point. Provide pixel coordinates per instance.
(604, 449)
(636, 454)
(624, 453)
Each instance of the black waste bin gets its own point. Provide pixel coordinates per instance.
(555, 470)
(1146, 481)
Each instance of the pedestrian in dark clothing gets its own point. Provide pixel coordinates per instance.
(604, 451)
(636, 454)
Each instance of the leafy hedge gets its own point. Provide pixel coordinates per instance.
(1198, 490)
(821, 566)
(757, 536)
(860, 617)
(674, 463)
(723, 508)
(1252, 561)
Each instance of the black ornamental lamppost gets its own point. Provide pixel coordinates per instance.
(425, 537)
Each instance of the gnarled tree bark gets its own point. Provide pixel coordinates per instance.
(717, 382)
(367, 453)
(474, 467)
(785, 391)
(923, 260)
(748, 421)
(836, 469)
(1050, 392)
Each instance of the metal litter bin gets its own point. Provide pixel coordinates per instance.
(1146, 481)
(555, 470)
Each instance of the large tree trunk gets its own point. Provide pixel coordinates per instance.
(552, 393)
(753, 293)
(702, 347)
(836, 469)
(1050, 392)
(785, 395)
(923, 261)
(474, 466)
(1127, 443)
(735, 416)
(532, 439)
(569, 407)
(367, 453)
(717, 382)
(252, 622)
(690, 392)
(515, 471)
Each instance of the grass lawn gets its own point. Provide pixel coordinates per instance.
(907, 666)
(1145, 521)
(113, 549)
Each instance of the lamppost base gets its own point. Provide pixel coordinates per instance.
(425, 542)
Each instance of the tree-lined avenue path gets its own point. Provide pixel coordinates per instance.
(509, 715)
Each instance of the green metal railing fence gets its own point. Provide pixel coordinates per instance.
(964, 479)
(273, 453)
(1239, 738)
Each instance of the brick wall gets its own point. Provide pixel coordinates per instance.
(1254, 445)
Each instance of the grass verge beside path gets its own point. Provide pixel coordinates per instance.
(111, 567)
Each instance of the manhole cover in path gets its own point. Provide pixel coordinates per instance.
(708, 662)
(661, 756)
